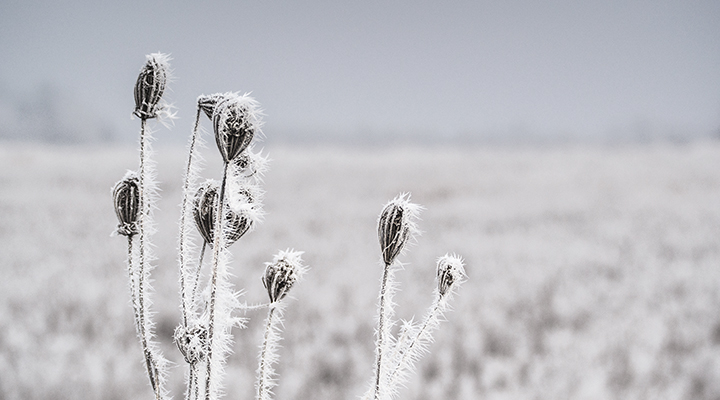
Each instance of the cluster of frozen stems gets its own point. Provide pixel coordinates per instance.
(204, 335)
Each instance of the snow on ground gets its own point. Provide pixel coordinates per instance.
(594, 271)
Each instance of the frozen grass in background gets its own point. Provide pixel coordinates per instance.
(594, 272)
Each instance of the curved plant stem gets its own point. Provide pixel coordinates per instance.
(186, 301)
(430, 320)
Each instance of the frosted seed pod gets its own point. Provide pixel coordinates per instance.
(282, 273)
(450, 271)
(126, 196)
(192, 342)
(249, 164)
(235, 122)
(150, 86)
(205, 203)
(396, 226)
(207, 103)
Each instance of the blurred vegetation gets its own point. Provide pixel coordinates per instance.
(593, 271)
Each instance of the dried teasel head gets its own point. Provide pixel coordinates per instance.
(450, 272)
(204, 207)
(396, 226)
(150, 86)
(192, 342)
(281, 274)
(126, 196)
(236, 120)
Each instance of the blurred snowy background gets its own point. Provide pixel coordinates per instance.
(568, 151)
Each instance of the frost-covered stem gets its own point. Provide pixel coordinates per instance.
(424, 335)
(383, 330)
(195, 382)
(150, 362)
(186, 210)
(214, 280)
(268, 355)
(197, 273)
(133, 284)
(193, 390)
(191, 375)
(251, 307)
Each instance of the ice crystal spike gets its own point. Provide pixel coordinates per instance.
(192, 342)
(126, 195)
(150, 86)
(204, 212)
(395, 226)
(235, 122)
(207, 103)
(450, 271)
(282, 273)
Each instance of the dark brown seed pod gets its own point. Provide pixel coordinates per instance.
(282, 273)
(207, 103)
(150, 86)
(235, 122)
(204, 212)
(450, 272)
(126, 197)
(395, 226)
(192, 342)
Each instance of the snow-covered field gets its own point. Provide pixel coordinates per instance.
(594, 271)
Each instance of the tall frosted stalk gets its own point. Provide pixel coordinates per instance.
(134, 198)
(450, 274)
(280, 276)
(218, 272)
(396, 226)
(235, 122)
(187, 276)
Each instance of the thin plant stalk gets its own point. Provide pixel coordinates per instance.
(133, 283)
(418, 342)
(193, 390)
(268, 354)
(145, 329)
(186, 299)
(280, 276)
(217, 245)
(450, 275)
(383, 332)
(193, 295)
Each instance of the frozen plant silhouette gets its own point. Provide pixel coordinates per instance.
(222, 213)
(395, 358)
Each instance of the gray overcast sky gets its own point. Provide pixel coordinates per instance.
(573, 67)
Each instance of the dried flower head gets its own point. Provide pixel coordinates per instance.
(396, 226)
(250, 164)
(192, 342)
(150, 85)
(207, 103)
(205, 204)
(450, 271)
(281, 274)
(236, 120)
(126, 196)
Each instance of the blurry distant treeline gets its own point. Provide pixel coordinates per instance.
(50, 114)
